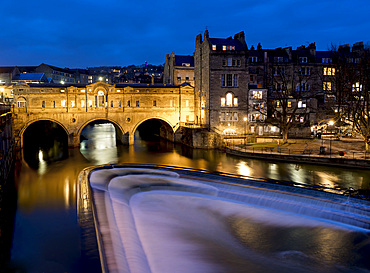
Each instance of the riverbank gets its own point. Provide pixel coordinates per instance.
(340, 153)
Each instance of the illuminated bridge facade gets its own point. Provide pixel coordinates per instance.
(126, 106)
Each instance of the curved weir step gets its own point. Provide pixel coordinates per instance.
(124, 216)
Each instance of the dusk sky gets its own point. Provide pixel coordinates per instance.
(85, 33)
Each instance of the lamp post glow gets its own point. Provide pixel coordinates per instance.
(245, 132)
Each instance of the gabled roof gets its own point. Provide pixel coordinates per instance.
(232, 42)
(6, 69)
(65, 70)
(181, 59)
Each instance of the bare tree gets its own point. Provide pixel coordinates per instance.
(289, 97)
(352, 94)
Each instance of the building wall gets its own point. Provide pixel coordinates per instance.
(209, 70)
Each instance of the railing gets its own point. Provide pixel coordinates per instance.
(345, 154)
(4, 108)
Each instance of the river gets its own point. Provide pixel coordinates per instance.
(46, 231)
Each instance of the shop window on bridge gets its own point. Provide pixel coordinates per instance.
(100, 99)
(21, 103)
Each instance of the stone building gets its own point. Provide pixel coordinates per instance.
(56, 74)
(221, 83)
(74, 106)
(7, 73)
(178, 69)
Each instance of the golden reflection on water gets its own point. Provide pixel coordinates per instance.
(49, 190)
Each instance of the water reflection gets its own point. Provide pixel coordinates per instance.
(46, 225)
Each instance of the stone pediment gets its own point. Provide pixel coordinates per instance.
(99, 86)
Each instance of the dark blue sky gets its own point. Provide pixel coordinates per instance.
(82, 33)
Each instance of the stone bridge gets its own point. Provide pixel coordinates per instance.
(126, 106)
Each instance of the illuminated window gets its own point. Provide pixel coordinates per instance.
(90, 103)
(82, 103)
(327, 86)
(172, 104)
(187, 103)
(214, 47)
(357, 87)
(223, 47)
(229, 99)
(235, 102)
(257, 95)
(73, 103)
(278, 104)
(63, 103)
(329, 71)
(101, 99)
(289, 104)
(223, 102)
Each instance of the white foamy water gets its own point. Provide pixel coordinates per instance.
(155, 221)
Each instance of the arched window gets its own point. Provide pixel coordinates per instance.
(229, 100)
(21, 103)
(101, 99)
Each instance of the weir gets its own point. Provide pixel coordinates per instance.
(169, 220)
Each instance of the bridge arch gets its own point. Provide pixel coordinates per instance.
(121, 135)
(165, 130)
(27, 125)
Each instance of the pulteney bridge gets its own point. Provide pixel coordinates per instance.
(126, 106)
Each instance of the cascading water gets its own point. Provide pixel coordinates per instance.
(152, 220)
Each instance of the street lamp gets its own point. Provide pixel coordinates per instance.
(245, 132)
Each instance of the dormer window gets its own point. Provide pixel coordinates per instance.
(278, 59)
(303, 59)
(214, 47)
(253, 59)
(228, 47)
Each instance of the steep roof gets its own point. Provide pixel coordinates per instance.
(181, 59)
(231, 42)
(6, 69)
